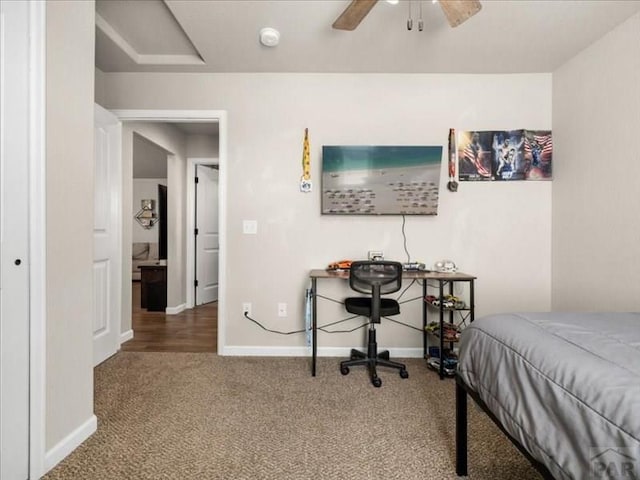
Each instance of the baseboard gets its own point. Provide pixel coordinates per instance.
(126, 336)
(258, 351)
(69, 443)
(261, 351)
(399, 352)
(176, 310)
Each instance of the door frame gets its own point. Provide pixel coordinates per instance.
(37, 238)
(194, 116)
(191, 212)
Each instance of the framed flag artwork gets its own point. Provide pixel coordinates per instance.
(505, 155)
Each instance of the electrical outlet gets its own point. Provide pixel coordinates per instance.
(250, 227)
(282, 309)
(246, 308)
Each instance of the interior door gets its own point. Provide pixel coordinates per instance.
(106, 236)
(14, 240)
(207, 238)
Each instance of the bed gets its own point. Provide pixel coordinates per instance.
(564, 387)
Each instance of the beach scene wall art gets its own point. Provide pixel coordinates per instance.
(380, 180)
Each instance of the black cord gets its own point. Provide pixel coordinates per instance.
(406, 288)
(345, 331)
(330, 299)
(410, 300)
(322, 327)
(272, 331)
(338, 321)
(402, 323)
(404, 237)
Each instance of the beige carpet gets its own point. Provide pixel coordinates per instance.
(200, 416)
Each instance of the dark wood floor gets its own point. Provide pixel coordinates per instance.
(194, 330)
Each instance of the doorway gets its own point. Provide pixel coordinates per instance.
(150, 222)
(175, 117)
(205, 248)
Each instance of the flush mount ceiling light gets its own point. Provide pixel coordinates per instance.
(269, 37)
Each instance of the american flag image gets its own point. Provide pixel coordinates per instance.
(539, 144)
(475, 154)
(538, 151)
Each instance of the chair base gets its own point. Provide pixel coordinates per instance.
(372, 359)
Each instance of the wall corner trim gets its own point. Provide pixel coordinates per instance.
(69, 443)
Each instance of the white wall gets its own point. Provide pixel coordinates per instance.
(500, 231)
(174, 142)
(202, 146)
(69, 236)
(99, 86)
(144, 189)
(596, 200)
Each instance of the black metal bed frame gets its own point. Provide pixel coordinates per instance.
(462, 389)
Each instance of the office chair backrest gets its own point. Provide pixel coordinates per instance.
(375, 279)
(366, 277)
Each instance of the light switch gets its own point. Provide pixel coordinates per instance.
(250, 227)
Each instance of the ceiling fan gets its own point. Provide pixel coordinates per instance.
(456, 11)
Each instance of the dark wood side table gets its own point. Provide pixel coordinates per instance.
(153, 281)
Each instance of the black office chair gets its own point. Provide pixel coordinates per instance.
(377, 279)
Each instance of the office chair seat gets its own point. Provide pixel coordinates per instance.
(376, 279)
(362, 306)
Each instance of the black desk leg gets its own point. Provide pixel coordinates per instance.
(314, 328)
(424, 320)
(441, 370)
(461, 430)
(472, 307)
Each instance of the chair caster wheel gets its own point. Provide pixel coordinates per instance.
(344, 370)
(404, 373)
(376, 382)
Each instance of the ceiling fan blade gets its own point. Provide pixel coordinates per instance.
(458, 11)
(353, 14)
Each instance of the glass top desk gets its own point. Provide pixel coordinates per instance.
(442, 279)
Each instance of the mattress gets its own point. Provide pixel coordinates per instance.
(565, 385)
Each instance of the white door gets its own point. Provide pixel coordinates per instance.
(14, 240)
(207, 241)
(106, 236)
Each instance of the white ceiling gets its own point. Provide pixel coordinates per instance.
(515, 36)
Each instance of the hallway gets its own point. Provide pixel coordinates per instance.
(194, 330)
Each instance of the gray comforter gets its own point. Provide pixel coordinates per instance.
(565, 385)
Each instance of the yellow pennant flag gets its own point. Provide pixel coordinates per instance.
(305, 181)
